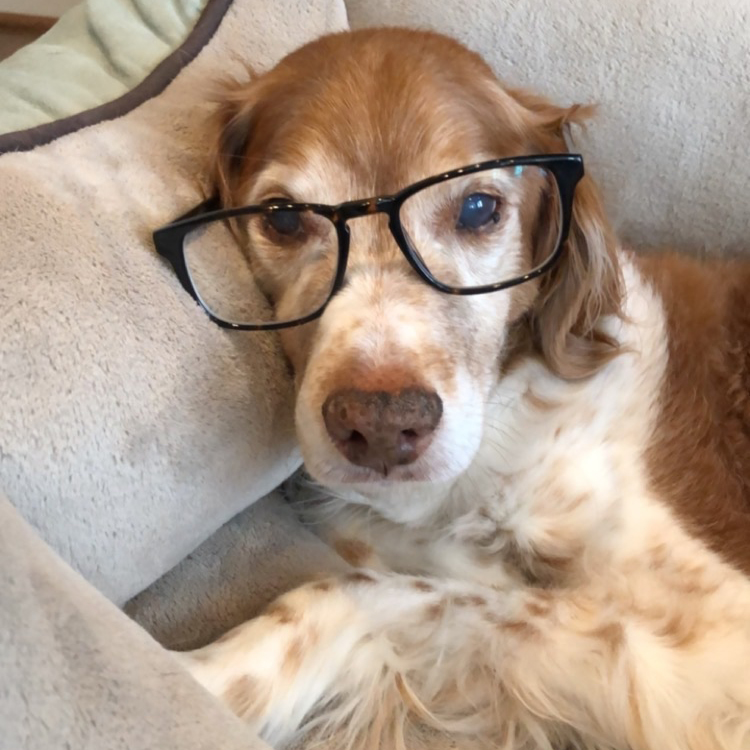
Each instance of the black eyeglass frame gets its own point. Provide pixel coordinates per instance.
(567, 169)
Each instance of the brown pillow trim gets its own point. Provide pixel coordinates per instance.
(152, 85)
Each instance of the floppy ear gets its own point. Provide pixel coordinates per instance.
(234, 126)
(584, 286)
(554, 122)
(586, 283)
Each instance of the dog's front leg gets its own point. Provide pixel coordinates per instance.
(332, 656)
(352, 658)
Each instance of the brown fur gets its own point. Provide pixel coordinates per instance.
(360, 576)
(243, 696)
(421, 585)
(436, 611)
(294, 656)
(281, 612)
(699, 458)
(354, 551)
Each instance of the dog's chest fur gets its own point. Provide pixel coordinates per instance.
(560, 494)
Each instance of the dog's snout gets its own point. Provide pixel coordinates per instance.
(382, 429)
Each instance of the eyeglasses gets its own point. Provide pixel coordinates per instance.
(474, 230)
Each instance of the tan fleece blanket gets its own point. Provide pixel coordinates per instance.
(132, 427)
(76, 673)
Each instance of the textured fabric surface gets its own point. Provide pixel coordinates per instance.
(261, 553)
(673, 82)
(132, 426)
(256, 556)
(76, 673)
(96, 52)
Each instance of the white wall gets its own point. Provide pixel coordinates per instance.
(37, 7)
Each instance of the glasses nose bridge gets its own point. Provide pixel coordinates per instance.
(366, 207)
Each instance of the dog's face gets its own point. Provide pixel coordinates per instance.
(393, 379)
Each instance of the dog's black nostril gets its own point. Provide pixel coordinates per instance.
(357, 438)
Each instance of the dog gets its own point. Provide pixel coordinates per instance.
(544, 491)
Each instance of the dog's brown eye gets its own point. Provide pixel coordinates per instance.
(285, 223)
(477, 210)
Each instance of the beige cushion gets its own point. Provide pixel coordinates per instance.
(76, 673)
(673, 81)
(132, 427)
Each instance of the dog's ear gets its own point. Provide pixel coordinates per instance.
(234, 126)
(552, 122)
(585, 285)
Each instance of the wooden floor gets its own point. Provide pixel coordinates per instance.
(13, 39)
(18, 30)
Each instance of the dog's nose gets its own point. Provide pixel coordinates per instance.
(382, 429)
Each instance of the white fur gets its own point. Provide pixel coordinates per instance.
(371, 320)
(615, 645)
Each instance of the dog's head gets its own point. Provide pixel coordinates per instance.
(393, 379)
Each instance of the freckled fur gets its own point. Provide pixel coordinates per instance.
(567, 564)
(242, 696)
(354, 551)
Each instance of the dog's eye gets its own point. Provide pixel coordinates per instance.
(477, 210)
(285, 223)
